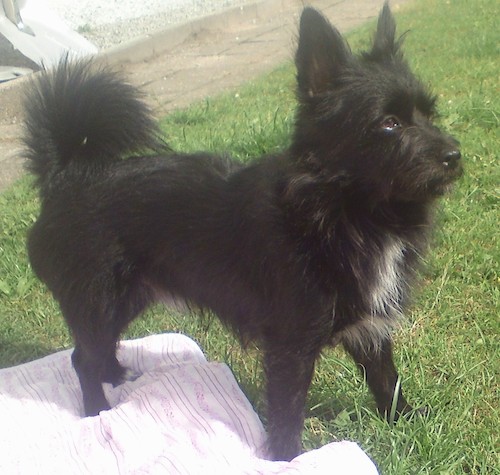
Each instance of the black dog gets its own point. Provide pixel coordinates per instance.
(313, 247)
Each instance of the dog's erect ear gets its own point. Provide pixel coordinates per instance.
(321, 54)
(385, 45)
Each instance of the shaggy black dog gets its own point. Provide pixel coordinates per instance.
(298, 251)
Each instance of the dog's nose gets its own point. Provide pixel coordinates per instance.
(451, 158)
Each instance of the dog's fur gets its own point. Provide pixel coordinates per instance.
(309, 248)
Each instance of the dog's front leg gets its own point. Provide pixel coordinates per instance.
(288, 375)
(381, 376)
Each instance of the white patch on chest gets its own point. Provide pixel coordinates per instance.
(386, 293)
(383, 298)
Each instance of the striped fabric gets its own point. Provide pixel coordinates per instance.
(183, 415)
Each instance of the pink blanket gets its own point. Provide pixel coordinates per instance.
(183, 415)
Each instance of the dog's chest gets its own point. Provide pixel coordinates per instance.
(381, 287)
(385, 289)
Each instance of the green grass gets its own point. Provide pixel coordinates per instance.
(448, 354)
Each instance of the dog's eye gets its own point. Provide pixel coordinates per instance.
(391, 123)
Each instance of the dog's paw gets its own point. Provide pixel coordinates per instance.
(130, 375)
(423, 411)
(408, 413)
(117, 374)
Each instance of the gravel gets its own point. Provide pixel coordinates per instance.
(108, 23)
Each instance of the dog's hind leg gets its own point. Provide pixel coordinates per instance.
(288, 374)
(382, 377)
(95, 362)
(96, 334)
(90, 365)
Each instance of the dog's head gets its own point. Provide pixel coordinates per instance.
(367, 119)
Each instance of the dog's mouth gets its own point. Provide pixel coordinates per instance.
(453, 172)
(442, 184)
(428, 182)
(440, 189)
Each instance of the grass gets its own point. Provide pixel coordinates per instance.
(448, 355)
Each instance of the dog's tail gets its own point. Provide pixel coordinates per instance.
(80, 116)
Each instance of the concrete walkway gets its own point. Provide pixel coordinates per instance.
(190, 62)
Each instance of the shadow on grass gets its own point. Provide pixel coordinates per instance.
(13, 353)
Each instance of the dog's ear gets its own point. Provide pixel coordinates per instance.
(321, 54)
(385, 46)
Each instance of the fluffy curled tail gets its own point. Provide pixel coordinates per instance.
(80, 116)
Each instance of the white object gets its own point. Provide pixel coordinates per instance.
(183, 415)
(8, 72)
(40, 34)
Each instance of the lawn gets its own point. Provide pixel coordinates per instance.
(449, 351)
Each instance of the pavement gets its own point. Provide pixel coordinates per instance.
(190, 62)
